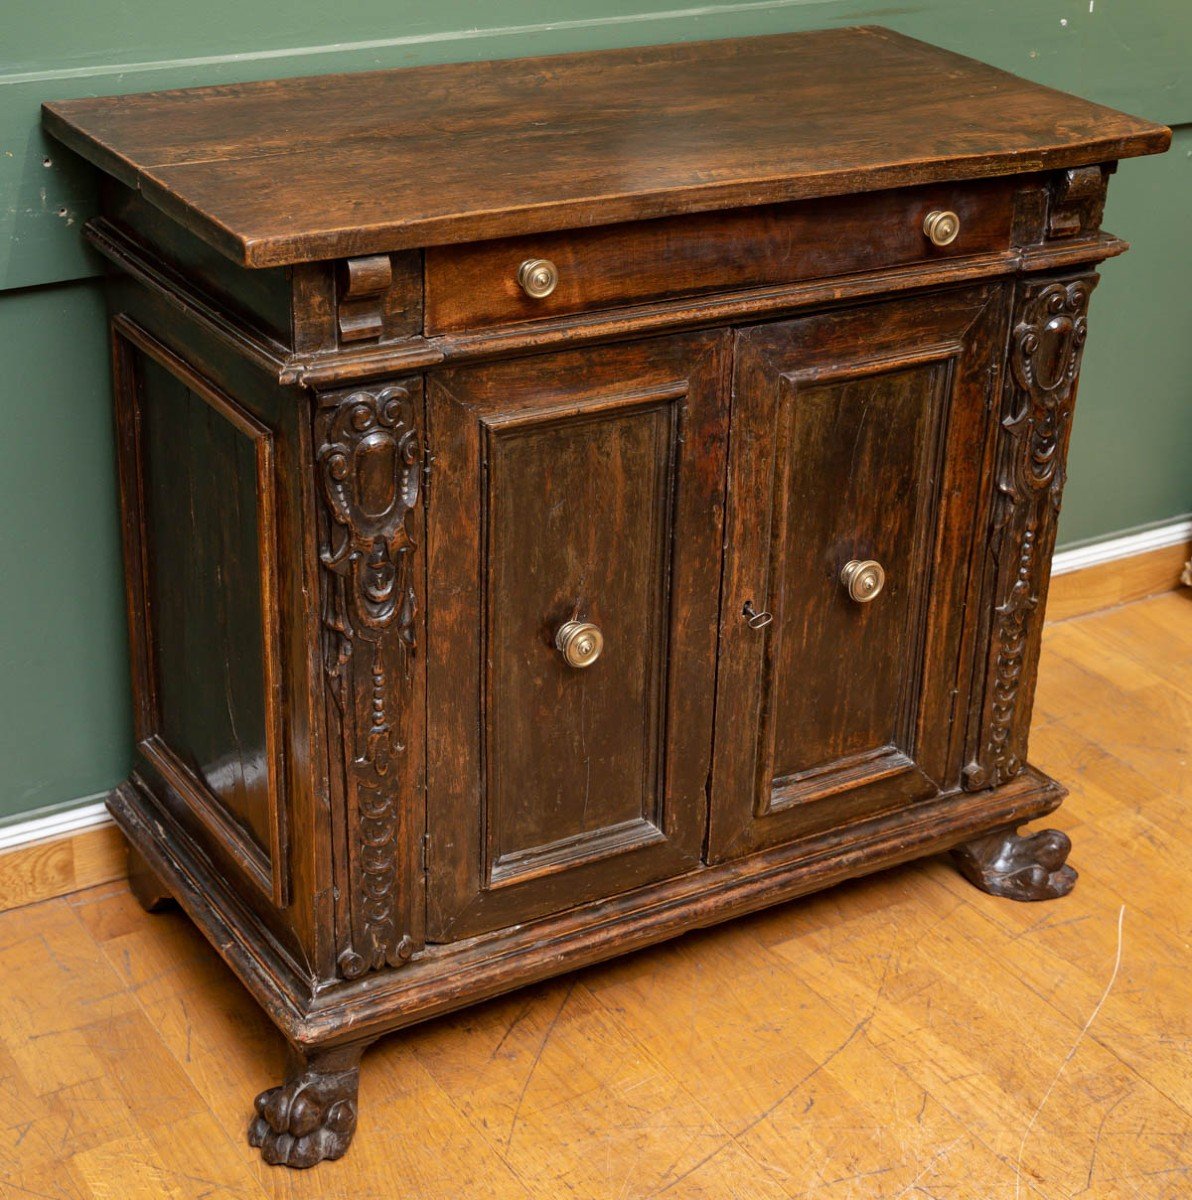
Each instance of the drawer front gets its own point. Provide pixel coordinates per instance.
(854, 504)
(579, 492)
(482, 284)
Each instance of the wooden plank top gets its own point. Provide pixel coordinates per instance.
(326, 166)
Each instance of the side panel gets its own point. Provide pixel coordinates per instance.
(200, 483)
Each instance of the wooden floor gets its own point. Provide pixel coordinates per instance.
(900, 1036)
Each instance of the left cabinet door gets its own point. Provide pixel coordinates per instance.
(584, 489)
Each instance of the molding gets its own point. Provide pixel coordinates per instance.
(1156, 537)
(371, 45)
(1115, 571)
(88, 812)
(447, 977)
(58, 851)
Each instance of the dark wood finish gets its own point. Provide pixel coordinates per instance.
(1046, 345)
(856, 436)
(430, 984)
(200, 497)
(346, 165)
(151, 894)
(354, 522)
(592, 490)
(469, 287)
(1017, 866)
(312, 1116)
(368, 461)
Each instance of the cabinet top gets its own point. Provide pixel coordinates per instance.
(327, 166)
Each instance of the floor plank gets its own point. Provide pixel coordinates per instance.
(899, 1036)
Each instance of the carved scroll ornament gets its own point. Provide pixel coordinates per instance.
(368, 456)
(1046, 348)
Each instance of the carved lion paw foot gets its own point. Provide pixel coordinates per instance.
(1020, 868)
(311, 1117)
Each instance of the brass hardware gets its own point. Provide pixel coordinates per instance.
(538, 277)
(941, 227)
(756, 620)
(863, 579)
(579, 642)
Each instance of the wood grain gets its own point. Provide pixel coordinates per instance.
(60, 865)
(463, 815)
(594, 492)
(858, 1044)
(1107, 585)
(471, 287)
(855, 398)
(293, 170)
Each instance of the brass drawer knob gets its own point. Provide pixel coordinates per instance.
(941, 227)
(863, 579)
(580, 643)
(538, 277)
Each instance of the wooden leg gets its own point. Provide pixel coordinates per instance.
(1030, 867)
(150, 892)
(312, 1116)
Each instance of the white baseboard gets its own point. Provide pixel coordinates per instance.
(1157, 538)
(87, 813)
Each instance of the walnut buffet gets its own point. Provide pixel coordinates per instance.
(571, 501)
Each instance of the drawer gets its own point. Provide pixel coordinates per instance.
(477, 285)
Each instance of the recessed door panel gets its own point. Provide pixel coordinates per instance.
(580, 516)
(575, 524)
(841, 679)
(858, 439)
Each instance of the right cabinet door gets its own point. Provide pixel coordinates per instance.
(860, 439)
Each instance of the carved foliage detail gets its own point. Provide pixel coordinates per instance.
(1045, 353)
(368, 459)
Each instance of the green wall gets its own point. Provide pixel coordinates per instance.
(64, 706)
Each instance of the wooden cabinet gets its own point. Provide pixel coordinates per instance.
(570, 502)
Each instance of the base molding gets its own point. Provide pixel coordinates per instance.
(1087, 579)
(430, 984)
(57, 853)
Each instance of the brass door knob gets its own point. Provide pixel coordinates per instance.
(579, 642)
(863, 579)
(941, 227)
(538, 277)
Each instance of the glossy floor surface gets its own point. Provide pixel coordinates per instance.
(900, 1036)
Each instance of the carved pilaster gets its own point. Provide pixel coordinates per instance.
(1040, 389)
(368, 460)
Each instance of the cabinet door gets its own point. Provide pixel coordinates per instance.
(578, 487)
(858, 436)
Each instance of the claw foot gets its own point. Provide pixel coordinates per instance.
(312, 1116)
(1004, 863)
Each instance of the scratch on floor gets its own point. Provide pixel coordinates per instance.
(550, 1029)
(942, 1152)
(1117, 962)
